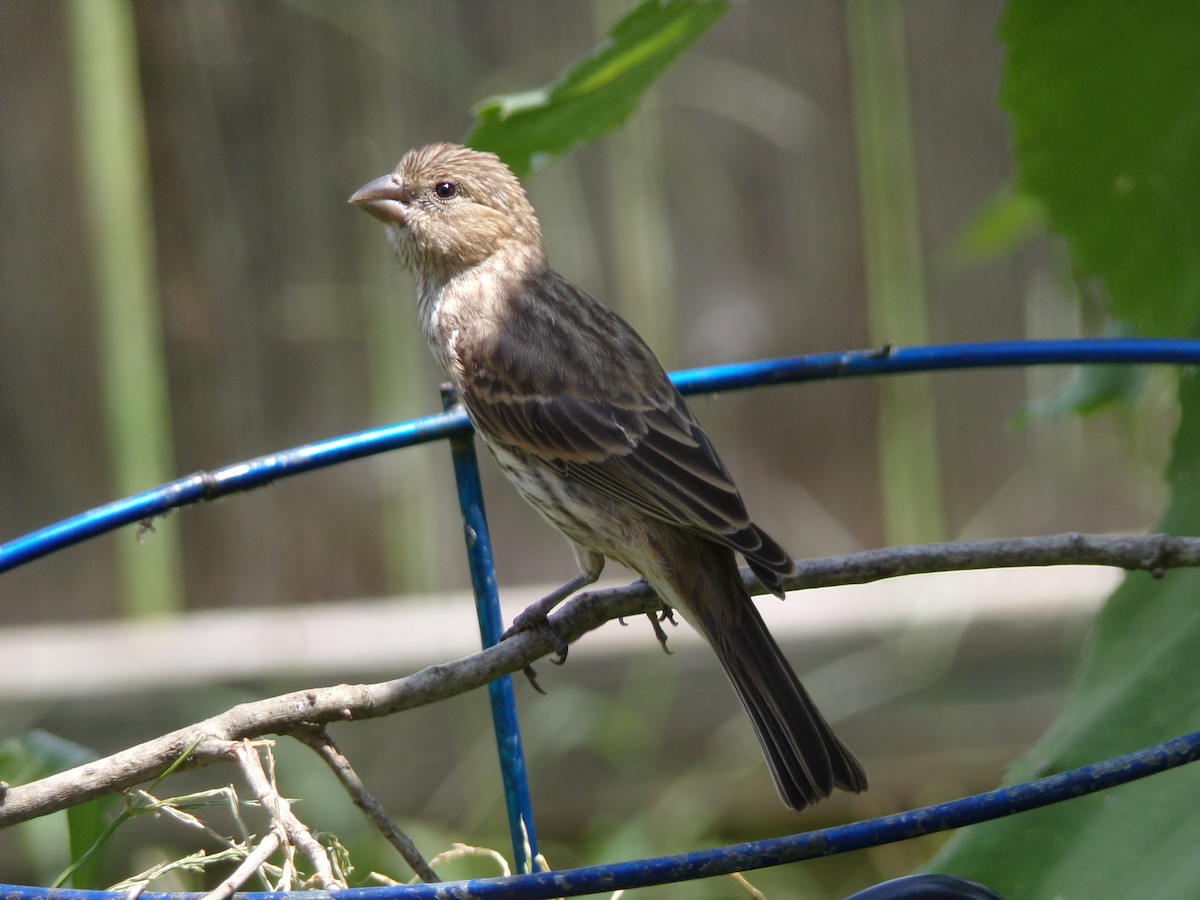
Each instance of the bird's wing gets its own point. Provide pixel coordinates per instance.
(581, 392)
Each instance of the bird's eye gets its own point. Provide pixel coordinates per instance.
(446, 190)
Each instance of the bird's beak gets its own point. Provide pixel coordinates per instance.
(384, 198)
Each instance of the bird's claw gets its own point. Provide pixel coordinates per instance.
(666, 614)
(542, 625)
(533, 682)
(534, 619)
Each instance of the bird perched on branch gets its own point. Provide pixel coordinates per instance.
(585, 423)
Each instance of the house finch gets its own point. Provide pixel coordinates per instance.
(584, 421)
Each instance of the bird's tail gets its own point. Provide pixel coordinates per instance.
(807, 760)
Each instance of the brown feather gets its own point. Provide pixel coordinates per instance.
(638, 444)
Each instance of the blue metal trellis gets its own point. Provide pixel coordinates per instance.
(453, 425)
(255, 473)
(491, 625)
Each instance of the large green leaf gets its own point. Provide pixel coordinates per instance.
(1105, 107)
(600, 92)
(1138, 683)
(37, 754)
(1104, 103)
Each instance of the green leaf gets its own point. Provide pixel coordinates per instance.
(37, 754)
(1091, 390)
(1105, 107)
(86, 825)
(1105, 104)
(1138, 684)
(527, 129)
(1002, 224)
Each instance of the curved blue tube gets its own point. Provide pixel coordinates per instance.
(455, 426)
(888, 361)
(243, 476)
(742, 857)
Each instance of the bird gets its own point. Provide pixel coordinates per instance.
(583, 420)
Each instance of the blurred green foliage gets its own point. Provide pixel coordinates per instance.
(600, 92)
(1103, 105)
(1102, 99)
(37, 754)
(1099, 99)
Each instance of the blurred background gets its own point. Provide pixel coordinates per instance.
(735, 217)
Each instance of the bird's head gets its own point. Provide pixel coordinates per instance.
(448, 208)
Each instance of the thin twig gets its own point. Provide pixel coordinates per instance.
(461, 851)
(1154, 553)
(279, 715)
(323, 745)
(280, 810)
(249, 866)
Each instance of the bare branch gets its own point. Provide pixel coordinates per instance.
(280, 811)
(249, 866)
(344, 703)
(1153, 553)
(320, 741)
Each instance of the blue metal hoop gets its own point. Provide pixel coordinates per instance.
(453, 425)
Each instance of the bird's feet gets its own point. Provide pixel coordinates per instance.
(536, 617)
(664, 613)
